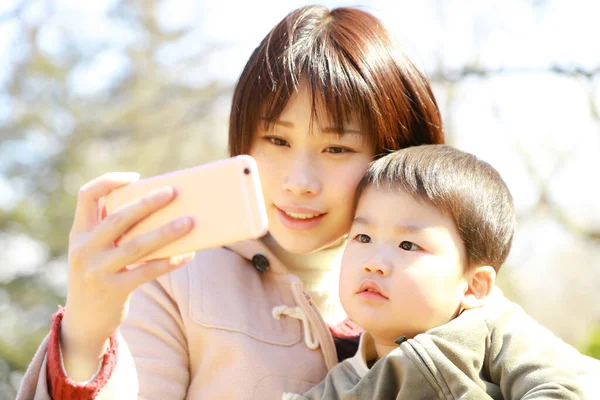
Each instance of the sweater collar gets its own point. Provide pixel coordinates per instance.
(318, 271)
(283, 261)
(366, 352)
(321, 260)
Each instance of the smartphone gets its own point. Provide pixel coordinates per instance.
(224, 198)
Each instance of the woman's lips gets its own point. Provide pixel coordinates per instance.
(299, 218)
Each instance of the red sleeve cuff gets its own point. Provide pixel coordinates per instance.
(346, 329)
(60, 386)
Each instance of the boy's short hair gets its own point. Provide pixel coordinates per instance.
(458, 183)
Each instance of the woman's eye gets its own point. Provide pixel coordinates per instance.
(277, 141)
(337, 150)
(362, 238)
(409, 246)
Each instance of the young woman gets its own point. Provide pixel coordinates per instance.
(324, 93)
(321, 96)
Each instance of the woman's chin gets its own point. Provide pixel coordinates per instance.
(297, 245)
(300, 243)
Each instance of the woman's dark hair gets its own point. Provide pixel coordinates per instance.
(352, 66)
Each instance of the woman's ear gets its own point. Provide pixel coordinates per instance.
(480, 282)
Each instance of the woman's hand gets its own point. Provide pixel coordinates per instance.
(100, 284)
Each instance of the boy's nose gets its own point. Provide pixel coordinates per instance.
(302, 177)
(379, 266)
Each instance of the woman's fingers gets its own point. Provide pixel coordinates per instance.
(152, 270)
(86, 211)
(116, 224)
(133, 250)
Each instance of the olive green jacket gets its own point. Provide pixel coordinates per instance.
(496, 351)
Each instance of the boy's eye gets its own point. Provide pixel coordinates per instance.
(409, 246)
(362, 238)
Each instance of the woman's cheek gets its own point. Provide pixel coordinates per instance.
(268, 167)
(349, 178)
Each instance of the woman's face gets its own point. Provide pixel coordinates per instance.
(309, 174)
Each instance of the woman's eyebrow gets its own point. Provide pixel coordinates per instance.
(337, 131)
(283, 123)
(330, 129)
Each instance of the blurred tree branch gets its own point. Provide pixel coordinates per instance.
(16, 12)
(147, 118)
(459, 75)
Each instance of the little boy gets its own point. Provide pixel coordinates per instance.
(432, 227)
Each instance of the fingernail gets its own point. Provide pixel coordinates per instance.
(131, 176)
(166, 191)
(186, 258)
(182, 259)
(183, 223)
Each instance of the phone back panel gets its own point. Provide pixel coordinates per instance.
(223, 197)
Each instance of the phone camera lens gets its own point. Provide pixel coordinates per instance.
(247, 171)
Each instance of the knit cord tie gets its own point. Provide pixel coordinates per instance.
(297, 313)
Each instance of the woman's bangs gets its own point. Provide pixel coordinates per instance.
(338, 95)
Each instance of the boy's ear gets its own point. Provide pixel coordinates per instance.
(480, 282)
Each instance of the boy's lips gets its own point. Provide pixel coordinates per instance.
(369, 288)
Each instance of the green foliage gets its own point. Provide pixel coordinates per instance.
(57, 137)
(592, 349)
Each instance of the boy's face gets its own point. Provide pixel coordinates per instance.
(402, 270)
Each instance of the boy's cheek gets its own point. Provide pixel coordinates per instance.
(345, 297)
(344, 285)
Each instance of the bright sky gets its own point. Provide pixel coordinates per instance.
(494, 33)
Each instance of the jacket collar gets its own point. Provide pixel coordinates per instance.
(251, 248)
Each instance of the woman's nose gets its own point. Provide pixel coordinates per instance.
(303, 177)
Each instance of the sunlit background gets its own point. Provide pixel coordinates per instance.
(91, 87)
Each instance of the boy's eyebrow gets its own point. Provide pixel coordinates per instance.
(410, 228)
(361, 221)
(329, 129)
(400, 228)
